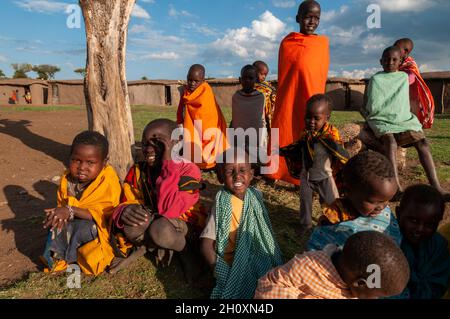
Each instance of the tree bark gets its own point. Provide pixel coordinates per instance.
(106, 89)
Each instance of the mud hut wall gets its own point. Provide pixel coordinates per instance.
(356, 96)
(37, 94)
(447, 97)
(337, 92)
(6, 93)
(69, 94)
(175, 92)
(147, 94)
(224, 93)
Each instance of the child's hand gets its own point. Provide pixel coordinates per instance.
(168, 145)
(56, 218)
(134, 218)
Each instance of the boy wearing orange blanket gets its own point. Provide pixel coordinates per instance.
(421, 99)
(203, 122)
(302, 72)
(87, 195)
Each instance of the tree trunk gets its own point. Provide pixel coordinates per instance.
(106, 89)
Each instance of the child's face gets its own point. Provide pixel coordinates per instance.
(309, 20)
(316, 116)
(262, 72)
(405, 48)
(237, 178)
(370, 202)
(152, 147)
(248, 80)
(418, 222)
(391, 61)
(194, 79)
(86, 162)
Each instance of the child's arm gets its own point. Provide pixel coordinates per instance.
(208, 250)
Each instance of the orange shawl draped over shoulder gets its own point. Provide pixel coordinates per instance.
(302, 72)
(100, 198)
(198, 107)
(422, 102)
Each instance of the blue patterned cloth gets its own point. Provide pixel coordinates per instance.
(385, 222)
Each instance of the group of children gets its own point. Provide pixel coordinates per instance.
(361, 248)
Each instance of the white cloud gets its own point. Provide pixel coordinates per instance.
(174, 13)
(139, 12)
(259, 41)
(161, 56)
(148, 1)
(203, 29)
(406, 5)
(138, 28)
(43, 6)
(3, 59)
(283, 3)
(333, 14)
(375, 44)
(359, 74)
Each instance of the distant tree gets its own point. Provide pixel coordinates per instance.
(144, 78)
(21, 70)
(46, 71)
(2, 75)
(81, 71)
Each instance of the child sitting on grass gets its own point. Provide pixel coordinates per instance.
(88, 192)
(369, 184)
(419, 214)
(388, 114)
(316, 158)
(334, 274)
(238, 241)
(159, 208)
(420, 97)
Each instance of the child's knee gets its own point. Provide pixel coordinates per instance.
(162, 233)
(135, 234)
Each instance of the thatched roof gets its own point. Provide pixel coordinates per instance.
(22, 82)
(436, 75)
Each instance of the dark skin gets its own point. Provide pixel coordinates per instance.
(406, 47)
(309, 17)
(156, 147)
(418, 222)
(262, 71)
(357, 282)
(370, 201)
(391, 61)
(317, 115)
(237, 178)
(248, 80)
(195, 77)
(86, 162)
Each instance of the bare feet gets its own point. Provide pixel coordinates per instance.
(121, 263)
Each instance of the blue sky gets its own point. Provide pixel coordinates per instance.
(166, 37)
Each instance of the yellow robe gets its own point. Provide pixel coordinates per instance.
(100, 198)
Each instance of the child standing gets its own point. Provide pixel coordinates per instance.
(87, 195)
(334, 274)
(369, 184)
(238, 241)
(267, 89)
(159, 207)
(389, 116)
(203, 122)
(314, 156)
(303, 63)
(421, 99)
(419, 214)
(248, 112)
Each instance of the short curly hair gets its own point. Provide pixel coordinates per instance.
(423, 195)
(374, 248)
(91, 138)
(361, 169)
(320, 98)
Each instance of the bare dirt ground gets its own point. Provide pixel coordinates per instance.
(34, 148)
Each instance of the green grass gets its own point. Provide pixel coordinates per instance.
(12, 109)
(144, 280)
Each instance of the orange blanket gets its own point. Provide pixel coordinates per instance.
(203, 141)
(422, 102)
(302, 72)
(100, 198)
